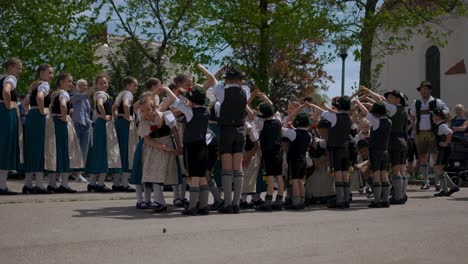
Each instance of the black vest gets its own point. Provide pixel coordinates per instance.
(298, 147)
(163, 131)
(270, 136)
(120, 108)
(379, 138)
(33, 99)
(399, 122)
(56, 106)
(13, 94)
(338, 135)
(195, 130)
(432, 107)
(439, 138)
(107, 107)
(233, 107)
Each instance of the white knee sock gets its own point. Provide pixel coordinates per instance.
(92, 179)
(116, 179)
(39, 178)
(147, 193)
(3, 179)
(124, 180)
(53, 180)
(28, 180)
(139, 192)
(101, 179)
(158, 194)
(64, 177)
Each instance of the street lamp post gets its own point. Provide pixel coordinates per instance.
(343, 55)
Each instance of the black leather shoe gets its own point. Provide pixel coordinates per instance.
(277, 207)
(441, 194)
(264, 208)
(452, 191)
(102, 189)
(385, 204)
(7, 192)
(38, 190)
(63, 189)
(51, 189)
(190, 212)
(204, 211)
(395, 201)
(226, 210)
(375, 205)
(438, 188)
(244, 205)
(27, 190)
(91, 188)
(127, 189)
(235, 209)
(160, 208)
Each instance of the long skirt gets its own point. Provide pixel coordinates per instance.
(9, 154)
(34, 138)
(159, 166)
(251, 174)
(137, 169)
(97, 160)
(122, 127)
(321, 183)
(61, 143)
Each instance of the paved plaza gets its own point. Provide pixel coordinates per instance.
(106, 228)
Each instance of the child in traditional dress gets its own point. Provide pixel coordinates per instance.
(34, 137)
(195, 147)
(270, 144)
(338, 146)
(443, 138)
(158, 156)
(378, 148)
(251, 165)
(104, 153)
(126, 131)
(9, 123)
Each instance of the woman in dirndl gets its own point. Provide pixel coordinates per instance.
(9, 122)
(34, 136)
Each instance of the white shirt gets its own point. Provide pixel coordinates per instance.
(44, 87)
(184, 108)
(101, 94)
(64, 95)
(444, 130)
(330, 116)
(290, 133)
(425, 123)
(11, 80)
(375, 121)
(320, 142)
(391, 109)
(251, 132)
(218, 91)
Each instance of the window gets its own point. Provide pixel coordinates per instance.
(433, 69)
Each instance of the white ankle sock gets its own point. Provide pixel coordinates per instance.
(139, 192)
(64, 182)
(92, 179)
(147, 193)
(102, 178)
(124, 180)
(53, 180)
(116, 179)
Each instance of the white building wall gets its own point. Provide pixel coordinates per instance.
(405, 70)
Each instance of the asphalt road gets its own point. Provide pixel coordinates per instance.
(106, 228)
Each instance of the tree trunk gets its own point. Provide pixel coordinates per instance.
(264, 49)
(367, 38)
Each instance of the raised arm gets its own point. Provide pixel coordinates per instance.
(361, 107)
(210, 78)
(171, 98)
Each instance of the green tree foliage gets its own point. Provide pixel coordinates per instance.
(128, 60)
(260, 31)
(171, 23)
(54, 31)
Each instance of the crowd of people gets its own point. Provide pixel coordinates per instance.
(235, 146)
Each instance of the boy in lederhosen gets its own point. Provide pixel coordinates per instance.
(337, 145)
(233, 100)
(378, 151)
(443, 135)
(197, 117)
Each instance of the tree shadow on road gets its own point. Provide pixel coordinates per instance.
(127, 213)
